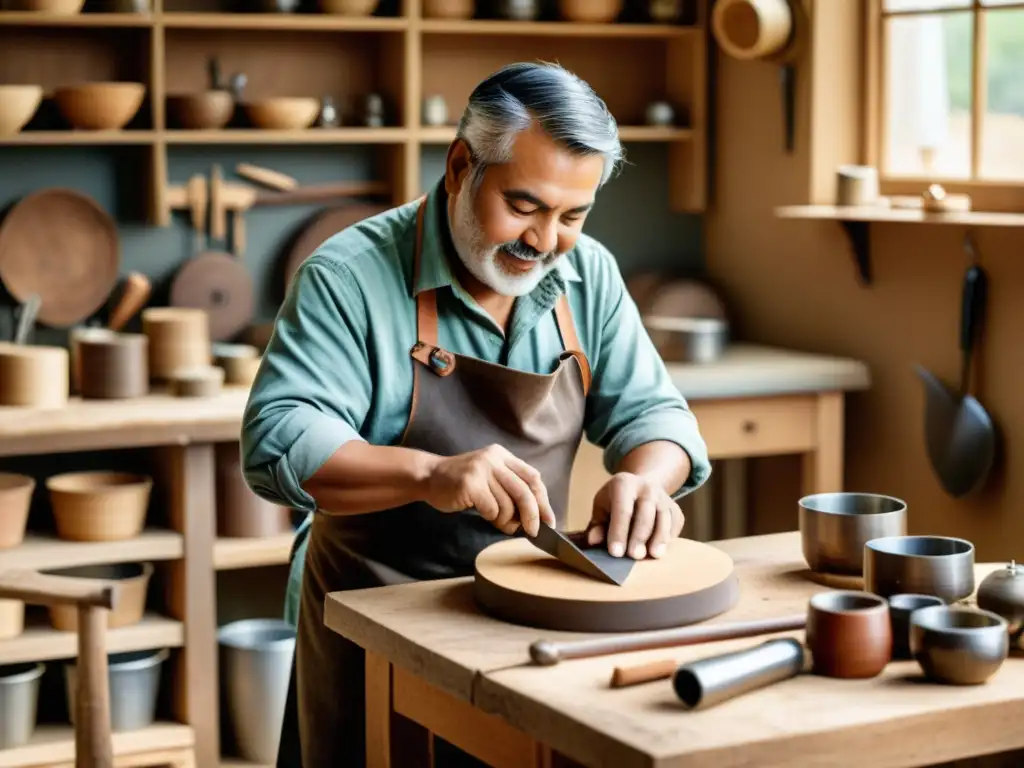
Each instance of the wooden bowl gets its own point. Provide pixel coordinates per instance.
(283, 113)
(99, 505)
(52, 7)
(349, 7)
(448, 9)
(100, 106)
(15, 501)
(209, 110)
(132, 580)
(593, 11)
(18, 104)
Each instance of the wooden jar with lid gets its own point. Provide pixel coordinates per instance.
(179, 338)
(114, 366)
(34, 376)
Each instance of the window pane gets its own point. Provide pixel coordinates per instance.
(928, 95)
(924, 5)
(1002, 135)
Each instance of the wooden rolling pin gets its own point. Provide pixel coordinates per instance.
(547, 653)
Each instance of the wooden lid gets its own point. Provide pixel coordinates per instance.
(61, 245)
(518, 582)
(220, 284)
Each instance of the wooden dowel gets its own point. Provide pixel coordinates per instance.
(547, 653)
(643, 673)
(266, 176)
(322, 193)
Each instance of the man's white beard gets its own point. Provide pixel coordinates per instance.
(482, 260)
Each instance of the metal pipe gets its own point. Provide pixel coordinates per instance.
(703, 683)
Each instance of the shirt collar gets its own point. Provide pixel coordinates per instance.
(438, 250)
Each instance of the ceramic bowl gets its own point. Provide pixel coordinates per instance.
(959, 646)
(900, 609)
(834, 527)
(941, 566)
(849, 634)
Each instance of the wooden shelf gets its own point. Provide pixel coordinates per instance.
(555, 28)
(231, 553)
(41, 643)
(42, 552)
(236, 762)
(39, 19)
(628, 133)
(312, 22)
(308, 136)
(79, 138)
(856, 221)
(55, 744)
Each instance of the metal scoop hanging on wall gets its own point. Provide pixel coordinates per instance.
(959, 433)
(774, 31)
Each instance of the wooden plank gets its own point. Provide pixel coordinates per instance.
(42, 552)
(157, 419)
(231, 553)
(555, 28)
(39, 642)
(55, 744)
(900, 215)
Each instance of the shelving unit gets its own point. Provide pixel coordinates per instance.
(180, 438)
(404, 57)
(857, 220)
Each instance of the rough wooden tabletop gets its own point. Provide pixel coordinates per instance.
(434, 630)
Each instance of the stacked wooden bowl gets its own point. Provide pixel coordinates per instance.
(99, 505)
(18, 104)
(106, 106)
(131, 578)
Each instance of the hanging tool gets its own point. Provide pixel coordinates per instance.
(959, 433)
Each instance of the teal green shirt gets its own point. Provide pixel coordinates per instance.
(337, 366)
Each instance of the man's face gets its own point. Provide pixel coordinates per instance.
(525, 214)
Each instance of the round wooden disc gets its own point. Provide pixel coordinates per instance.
(63, 246)
(321, 227)
(517, 582)
(220, 284)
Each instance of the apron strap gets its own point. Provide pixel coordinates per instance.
(426, 312)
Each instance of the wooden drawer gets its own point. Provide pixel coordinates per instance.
(762, 426)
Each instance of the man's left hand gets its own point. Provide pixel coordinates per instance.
(636, 516)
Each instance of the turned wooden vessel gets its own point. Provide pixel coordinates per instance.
(114, 367)
(33, 376)
(179, 338)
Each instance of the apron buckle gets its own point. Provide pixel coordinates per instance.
(440, 361)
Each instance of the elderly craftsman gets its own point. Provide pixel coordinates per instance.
(434, 368)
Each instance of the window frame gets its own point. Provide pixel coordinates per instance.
(986, 195)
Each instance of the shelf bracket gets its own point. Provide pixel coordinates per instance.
(859, 235)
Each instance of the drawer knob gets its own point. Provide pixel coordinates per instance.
(749, 427)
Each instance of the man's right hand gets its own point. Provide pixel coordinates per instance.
(505, 490)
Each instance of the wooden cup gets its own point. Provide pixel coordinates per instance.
(849, 634)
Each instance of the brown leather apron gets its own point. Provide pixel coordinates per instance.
(459, 404)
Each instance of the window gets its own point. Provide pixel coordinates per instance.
(946, 94)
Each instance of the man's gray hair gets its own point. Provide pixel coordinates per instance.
(513, 98)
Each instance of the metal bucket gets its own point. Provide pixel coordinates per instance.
(19, 698)
(256, 663)
(134, 687)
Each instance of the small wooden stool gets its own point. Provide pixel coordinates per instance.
(93, 743)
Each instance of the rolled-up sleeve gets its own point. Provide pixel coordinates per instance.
(312, 391)
(633, 400)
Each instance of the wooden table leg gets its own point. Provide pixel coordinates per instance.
(823, 467)
(378, 711)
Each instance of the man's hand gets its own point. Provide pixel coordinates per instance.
(506, 491)
(635, 515)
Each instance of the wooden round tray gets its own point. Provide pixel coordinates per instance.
(517, 582)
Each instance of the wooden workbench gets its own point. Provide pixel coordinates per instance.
(436, 660)
(754, 401)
